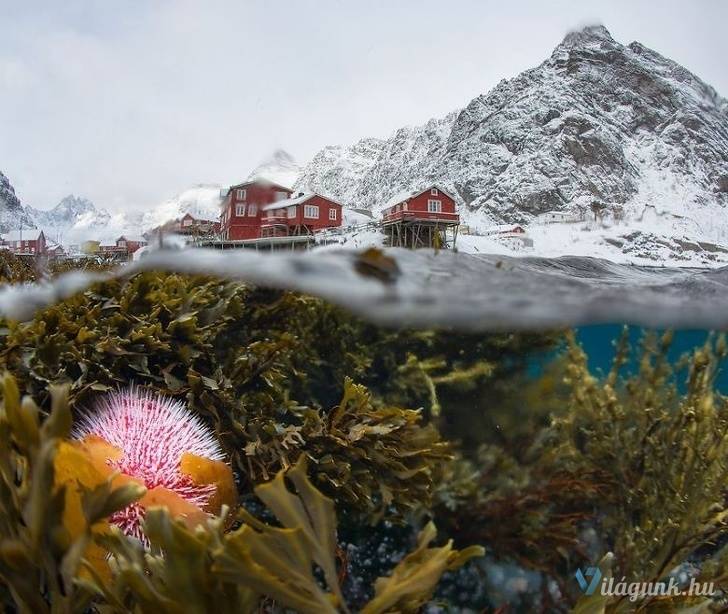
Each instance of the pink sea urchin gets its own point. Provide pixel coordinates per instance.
(152, 433)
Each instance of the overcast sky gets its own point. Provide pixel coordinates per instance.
(128, 102)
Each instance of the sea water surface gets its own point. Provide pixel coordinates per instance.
(472, 292)
(398, 287)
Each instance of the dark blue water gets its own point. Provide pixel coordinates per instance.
(598, 342)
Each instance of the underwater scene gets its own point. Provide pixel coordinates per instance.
(178, 441)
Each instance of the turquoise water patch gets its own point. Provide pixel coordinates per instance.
(599, 343)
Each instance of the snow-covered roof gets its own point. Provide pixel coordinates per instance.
(400, 197)
(136, 238)
(27, 234)
(290, 202)
(259, 180)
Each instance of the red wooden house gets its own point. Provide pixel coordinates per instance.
(432, 204)
(242, 209)
(191, 225)
(54, 250)
(29, 242)
(130, 244)
(301, 215)
(112, 251)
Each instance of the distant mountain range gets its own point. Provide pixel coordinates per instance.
(598, 124)
(75, 218)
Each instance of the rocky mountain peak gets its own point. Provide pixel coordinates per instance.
(12, 213)
(597, 121)
(8, 198)
(279, 167)
(71, 206)
(595, 34)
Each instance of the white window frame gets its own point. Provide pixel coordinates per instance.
(241, 193)
(291, 212)
(333, 216)
(434, 192)
(280, 196)
(187, 222)
(434, 206)
(311, 212)
(240, 210)
(404, 207)
(252, 210)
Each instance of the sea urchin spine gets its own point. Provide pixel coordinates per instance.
(153, 434)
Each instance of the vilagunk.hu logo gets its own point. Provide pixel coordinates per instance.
(591, 581)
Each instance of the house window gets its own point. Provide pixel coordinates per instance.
(404, 207)
(252, 210)
(187, 222)
(240, 194)
(122, 243)
(332, 214)
(240, 210)
(434, 192)
(291, 212)
(311, 211)
(434, 206)
(280, 196)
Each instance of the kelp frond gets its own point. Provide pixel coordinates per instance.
(48, 561)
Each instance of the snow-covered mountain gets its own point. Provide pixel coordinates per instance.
(280, 167)
(75, 219)
(202, 201)
(67, 211)
(598, 121)
(12, 214)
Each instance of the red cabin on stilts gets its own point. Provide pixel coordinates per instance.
(423, 218)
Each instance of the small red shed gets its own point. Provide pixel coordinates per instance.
(505, 229)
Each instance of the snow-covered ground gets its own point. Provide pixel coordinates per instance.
(651, 241)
